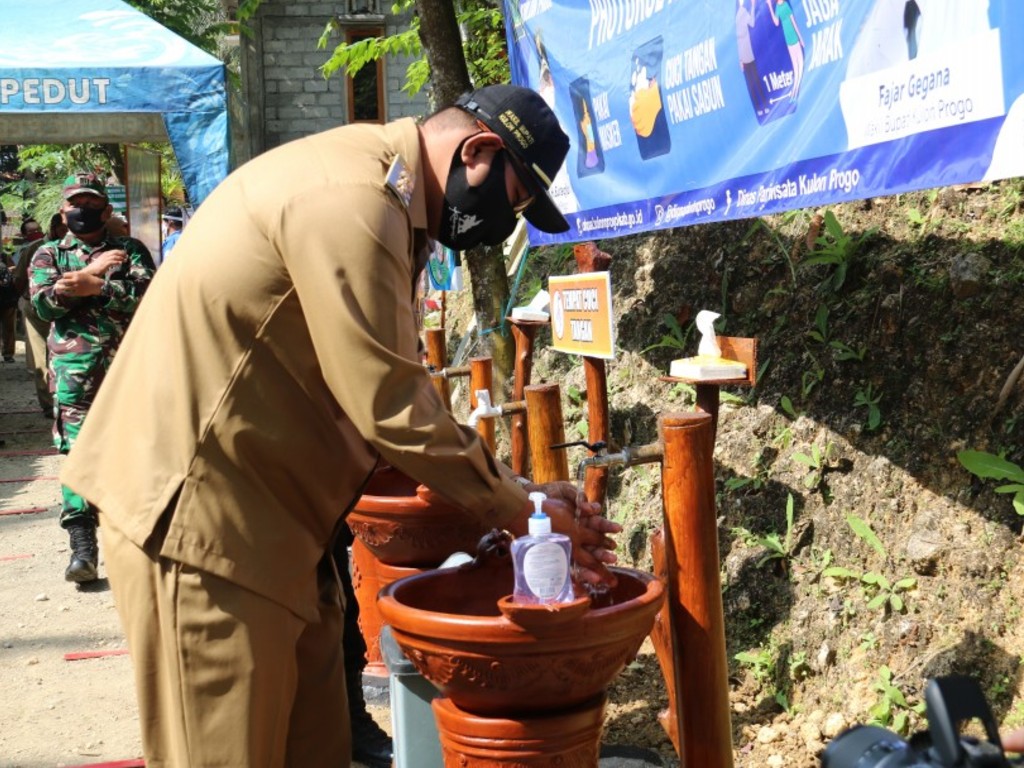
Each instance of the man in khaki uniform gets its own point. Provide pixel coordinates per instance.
(273, 361)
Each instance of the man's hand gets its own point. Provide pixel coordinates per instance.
(105, 261)
(79, 283)
(1014, 741)
(582, 522)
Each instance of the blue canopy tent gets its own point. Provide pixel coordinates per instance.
(99, 71)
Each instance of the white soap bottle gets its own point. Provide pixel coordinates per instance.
(542, 561)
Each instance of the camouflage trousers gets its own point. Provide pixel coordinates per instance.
(67, 422)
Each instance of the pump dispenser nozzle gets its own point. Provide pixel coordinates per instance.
(538, 521)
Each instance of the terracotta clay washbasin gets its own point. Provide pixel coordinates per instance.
(449, 624)
(406, 524)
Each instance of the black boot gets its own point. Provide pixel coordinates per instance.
(371, 746)
(84, 553)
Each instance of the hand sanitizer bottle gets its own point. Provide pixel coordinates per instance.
(541, 561)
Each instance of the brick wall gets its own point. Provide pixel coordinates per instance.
(286, 95)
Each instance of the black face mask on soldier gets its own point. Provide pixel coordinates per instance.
(84, 221)
(474, 215)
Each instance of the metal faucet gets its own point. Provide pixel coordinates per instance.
(628, 456)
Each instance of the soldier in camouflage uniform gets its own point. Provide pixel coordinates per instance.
(88, 285)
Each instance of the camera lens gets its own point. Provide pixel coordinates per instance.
(867, 746)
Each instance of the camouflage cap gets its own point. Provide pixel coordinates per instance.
(82, 183)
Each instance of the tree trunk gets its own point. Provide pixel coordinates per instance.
(486, 267)
(439, 34)
(442, 42)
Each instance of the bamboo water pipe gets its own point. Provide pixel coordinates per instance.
(694, 615)
(437, 359)
(545, 427)
(590, 259)
(523, 331)
(481, 379)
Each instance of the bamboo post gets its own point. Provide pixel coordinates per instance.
(437, 358)
(481, 377)
(544, 423)
(523, 331)
(590, 259)
(696, 618)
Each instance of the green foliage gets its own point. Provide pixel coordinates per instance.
(761, 663)
(868, 399)
(483, 45)
(820, 332)
(811, 379)
(760, 224)
(788, 408)
(876, 588)
(676, 338)
(836, 248)
(779, 548)
(893, 709)
(988, 466)
(816, 462)
(865, 533)
(845, 352)
(201, 22)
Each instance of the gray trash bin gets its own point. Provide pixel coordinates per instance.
(413, 729)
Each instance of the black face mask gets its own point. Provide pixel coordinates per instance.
(474, 215)
(84, 221)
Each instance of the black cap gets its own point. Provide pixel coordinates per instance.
(173, 214)
(531, 133)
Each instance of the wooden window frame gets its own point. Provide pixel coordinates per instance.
(353, 34)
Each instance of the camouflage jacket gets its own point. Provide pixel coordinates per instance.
(86, 330)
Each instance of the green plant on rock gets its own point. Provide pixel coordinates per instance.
(836, 248)
(879, 592)
(779, 548)
(845, 352)
(863, 531)
(760, 662)
(676, 338)
(820, 331)
(867, 398)
(989, 466)
(817, 462)
(811, 379)
(893, 709)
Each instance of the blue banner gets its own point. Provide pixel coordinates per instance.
(683, 112)
(103, 56)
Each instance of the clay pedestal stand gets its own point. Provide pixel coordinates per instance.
(401, 528)
(522, 686)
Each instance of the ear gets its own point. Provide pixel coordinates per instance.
(480, 147)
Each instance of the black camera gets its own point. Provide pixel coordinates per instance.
(950, 702)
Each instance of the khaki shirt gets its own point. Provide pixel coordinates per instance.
(272, 360)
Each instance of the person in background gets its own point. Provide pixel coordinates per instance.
(9, 291)
(36, 329)
(173, 222)
(87, 285)
(280, 351)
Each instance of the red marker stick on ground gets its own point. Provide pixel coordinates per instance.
(79, 655)
(28, 511)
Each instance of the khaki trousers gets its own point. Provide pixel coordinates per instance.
(225, 677)
(36, 333)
